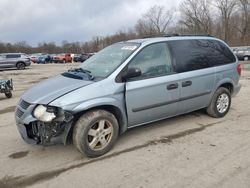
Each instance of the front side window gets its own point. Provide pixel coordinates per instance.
(153, 61)
(107, 60)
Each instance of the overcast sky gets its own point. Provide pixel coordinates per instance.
(37, 21)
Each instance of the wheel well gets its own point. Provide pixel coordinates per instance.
(112, 109)
(229, 86)
(20, 62)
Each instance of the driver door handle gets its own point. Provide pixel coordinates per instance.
(186, 83)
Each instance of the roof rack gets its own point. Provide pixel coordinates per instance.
(177, 35)
(171, 35)
(188, 35)
(154, 36)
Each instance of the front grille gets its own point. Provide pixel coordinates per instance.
(24, 105)
(19, 113)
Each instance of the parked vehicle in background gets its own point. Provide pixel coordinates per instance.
(44, 59)
(18, 60)
(41, 60)
(35, 56)
(81, 57)
(62, 58)
(126, 85)
(242, 52)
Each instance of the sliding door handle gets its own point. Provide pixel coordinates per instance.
(172, 86)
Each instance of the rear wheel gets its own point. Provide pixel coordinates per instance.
(95, 133)
(220, 103)
(246, 58)
(20, 66)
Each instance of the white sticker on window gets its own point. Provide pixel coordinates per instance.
(129, 47)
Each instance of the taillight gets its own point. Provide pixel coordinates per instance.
(239, 69)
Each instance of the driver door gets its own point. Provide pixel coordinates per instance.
(154, 95)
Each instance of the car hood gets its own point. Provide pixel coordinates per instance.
(53, 88)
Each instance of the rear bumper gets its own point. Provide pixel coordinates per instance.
(28, 63)
(236, 89)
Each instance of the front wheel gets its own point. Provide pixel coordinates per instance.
(95, 133)
(220, 103)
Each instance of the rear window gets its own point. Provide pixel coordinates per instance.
(13, 55)
(191, 55)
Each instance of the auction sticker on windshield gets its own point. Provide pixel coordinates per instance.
(129, 48)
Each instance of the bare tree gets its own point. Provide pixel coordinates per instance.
(226, 9)
(196, 17)
(155, 21)
(244, 27)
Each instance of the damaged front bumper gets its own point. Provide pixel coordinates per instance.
(34, 131)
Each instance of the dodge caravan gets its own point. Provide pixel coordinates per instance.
(129, 84)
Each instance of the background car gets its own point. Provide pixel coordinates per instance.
(81, 57)
(35, 56)
(44, 59)
(243, 54)
(18, 60)
(62, 58)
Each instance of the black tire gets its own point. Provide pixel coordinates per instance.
(246, 58)
(213, 110)
(20, 65)
(8, 94)
(90, 120)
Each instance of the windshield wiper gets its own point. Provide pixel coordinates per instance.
(81, 70)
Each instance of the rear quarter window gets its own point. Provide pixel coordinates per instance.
(195, 54)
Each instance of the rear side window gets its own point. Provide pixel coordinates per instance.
(191, 55)
(13, 56)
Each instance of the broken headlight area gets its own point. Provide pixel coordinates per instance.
(52, 125)
(45, 113)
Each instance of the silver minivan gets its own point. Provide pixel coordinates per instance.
(129, 84)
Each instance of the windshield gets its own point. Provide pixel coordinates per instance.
(107, 60)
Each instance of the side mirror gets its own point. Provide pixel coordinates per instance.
(131, 73)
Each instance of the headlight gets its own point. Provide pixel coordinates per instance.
(42, 114)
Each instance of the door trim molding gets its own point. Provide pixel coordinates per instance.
(169, 102)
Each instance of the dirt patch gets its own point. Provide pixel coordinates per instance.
(4, 98)
(19, 155)
(8, 109)
(31, 180)
(4, 183)
(36, 81)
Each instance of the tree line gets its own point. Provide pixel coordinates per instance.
(226, 19)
